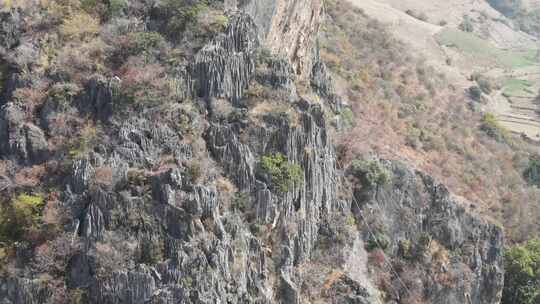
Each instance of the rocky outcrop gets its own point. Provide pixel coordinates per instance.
(98, 98)
(278, 73)
(11, 25)
(414, 208)
(224, 67)
(136, 286)
(21, 141)
(142, 142)
(20, 290)
(287, 27)
(322, 83)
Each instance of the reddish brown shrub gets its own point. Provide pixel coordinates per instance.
(377, 257)
(104, 176)
(30, 176)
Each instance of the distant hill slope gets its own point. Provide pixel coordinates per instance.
(531, 4)
(492, 45)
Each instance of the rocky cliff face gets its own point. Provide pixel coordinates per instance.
(164, 228)
(286, 27)
(458, 255)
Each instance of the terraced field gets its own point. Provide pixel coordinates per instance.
(516, 105)
(484, 53)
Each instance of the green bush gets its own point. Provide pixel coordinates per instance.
(522, 278)
(181, 13)
(377, 240)
(115, 7)
(348, 117)
(150, 251)
(283, 174)
(492, 128)
(484, 83)
(63, 93)
(87, 140)
(370, 172)
(422, 246)
(466, 25)
(240, 201)
(19, 216)
(475, 93)
(4, 70)
(77, 296)
(140, 43)
(219, 24)
(405, 248)
(106, 9)
(532, 172)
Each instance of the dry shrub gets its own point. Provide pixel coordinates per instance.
(110, 256)
(223, 184)
(31, 97)
(439, 253)
(445, 279)
(30, 176)
(226, 189)
(81, 60)
(165, 163)
(80, 26)
(413, 298)
(104, 176)
(377, 258)
(143, 82)
(52, 215)
(412, 278)
(383, 280)
(52, 256)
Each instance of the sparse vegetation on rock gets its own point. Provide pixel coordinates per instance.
(283, 174)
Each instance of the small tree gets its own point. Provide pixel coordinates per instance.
(522, 278)
(19, 216)
(475, 93)
(492, 128)
(370, 172)
(283, 174)
(532, 172)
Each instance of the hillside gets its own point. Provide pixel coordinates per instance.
(494, 47)
(255, 151)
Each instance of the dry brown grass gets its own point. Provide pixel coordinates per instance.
(80, 26)
(397, 99)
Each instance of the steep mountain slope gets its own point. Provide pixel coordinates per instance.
(192, 152)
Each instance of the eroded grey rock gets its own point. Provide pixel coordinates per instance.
(413, 206)
(20, 141)
(224, 67)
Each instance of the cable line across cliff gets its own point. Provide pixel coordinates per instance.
(378, 244)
